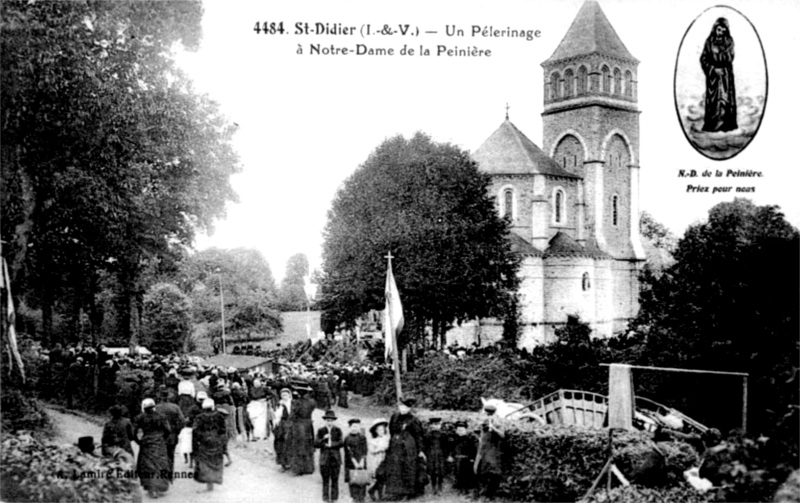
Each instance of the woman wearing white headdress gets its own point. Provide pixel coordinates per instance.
(209, 441)
(152, 466)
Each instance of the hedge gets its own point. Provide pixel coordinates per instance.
(559, 463)
(31, 470)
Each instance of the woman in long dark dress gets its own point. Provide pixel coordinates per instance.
(405, 446)
(717, 64)
(152, 466)
(301, 441)
(209, 441)
(117, 432)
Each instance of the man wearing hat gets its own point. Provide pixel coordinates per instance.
(329, 441)
(488, 462)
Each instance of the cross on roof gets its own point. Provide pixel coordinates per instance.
(507, 107)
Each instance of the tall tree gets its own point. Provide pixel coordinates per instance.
(110, 159)
(730, 302)
(659, 244)
(427, 204)
(168, 319)
(292, 296)
(238, 280)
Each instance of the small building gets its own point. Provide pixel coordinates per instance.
(139, 350)
(243, 363)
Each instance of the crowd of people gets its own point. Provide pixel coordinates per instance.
(192, 411)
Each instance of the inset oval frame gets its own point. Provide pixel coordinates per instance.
(720, 102)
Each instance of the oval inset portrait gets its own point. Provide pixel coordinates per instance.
(720, 82)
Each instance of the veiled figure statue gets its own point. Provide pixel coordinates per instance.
(717, 64)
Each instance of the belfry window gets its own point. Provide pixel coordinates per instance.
(606, 80)
(617, 81)
(568, 78)
(508, 203)
(586, 282)
(554, 83)
(582, 87)
(628, 84)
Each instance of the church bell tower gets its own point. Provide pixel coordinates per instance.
(591, 127)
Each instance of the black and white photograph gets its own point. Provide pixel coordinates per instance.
(442, 251)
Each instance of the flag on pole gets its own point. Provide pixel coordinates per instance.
(393, 314)
(5, 282)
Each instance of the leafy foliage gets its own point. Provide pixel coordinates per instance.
(427, 204)
(168, 318)
(292, 295)
(31, 470)
(111, 160)
(21, 412)
(730, 302)
(744, 469)
(242, 281)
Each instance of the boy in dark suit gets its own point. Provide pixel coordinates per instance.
(435, 448)
(465, 448)
(329, 442)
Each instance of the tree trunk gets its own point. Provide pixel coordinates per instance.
(124, 301)
(75, 304)
(95, 314)
(11, 163)
(47, 315)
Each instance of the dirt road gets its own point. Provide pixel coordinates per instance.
(253, 477)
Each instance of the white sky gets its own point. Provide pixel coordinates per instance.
(307, 122)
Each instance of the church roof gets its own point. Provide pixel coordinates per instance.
(522, 247)
(509, 152)
(563, 245)
(590, 33)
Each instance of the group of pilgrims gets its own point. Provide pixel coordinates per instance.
(192, 411)
(396, 459)
(388, 460)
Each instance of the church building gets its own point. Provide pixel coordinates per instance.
(573, 203)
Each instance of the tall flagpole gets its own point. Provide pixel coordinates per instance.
(395, 351)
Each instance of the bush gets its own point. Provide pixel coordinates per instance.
(21, 413)
(638, 494)
(559, 463)
(34, 471)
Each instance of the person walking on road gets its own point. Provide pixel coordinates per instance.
(329, 441)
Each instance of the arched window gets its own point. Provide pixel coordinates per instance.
(617, 81)
(582, 83)
(508, 203)
(554, 81)
(586, 282)
(615, 210)
(628, 84)
(568, 78)
(606, 79)
(558, 204)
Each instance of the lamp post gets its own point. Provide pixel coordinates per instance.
(222, 310)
